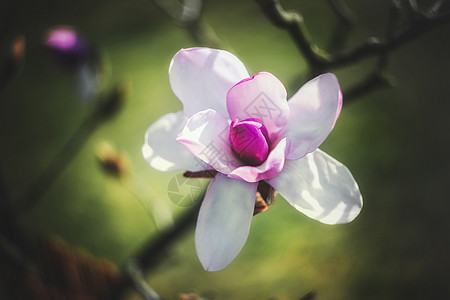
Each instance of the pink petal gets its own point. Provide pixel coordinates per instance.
(314, 111)
(161, 149)
(224, 221)
(201, 78)
(261, 96)
(206, 135)
(320, 187)
(268, 169)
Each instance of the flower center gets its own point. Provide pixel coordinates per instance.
(250, 140)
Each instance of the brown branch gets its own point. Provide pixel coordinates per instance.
(106, 108)
(188, 15)
(375, 80)
(152, 252)
(293, 23)
(136, 275)
(342, 11)
(374, 46)
(319, 59)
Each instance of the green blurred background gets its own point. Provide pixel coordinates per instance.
(395, 142)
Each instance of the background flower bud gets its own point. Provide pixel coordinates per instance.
(66, 47)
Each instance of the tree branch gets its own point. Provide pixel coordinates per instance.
(151, 253)
(188, 15)
(293, 23)
(374, 46)
(342, 11)
(319, 59)
(136, 275)
(106, 108)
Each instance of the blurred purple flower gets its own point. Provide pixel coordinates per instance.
(244, 128)
(67, 47)
(71, 51)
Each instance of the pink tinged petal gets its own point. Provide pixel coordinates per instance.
(250, 141)
(261, 96)
(201, 78)
(161, 149)
(268, 169)
(206, 135)
(320, 187)
(314, 111)
(224, 221)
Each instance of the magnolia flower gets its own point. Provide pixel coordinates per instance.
(243, 128)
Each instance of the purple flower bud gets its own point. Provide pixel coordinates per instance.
(67, 47)
(250, 140)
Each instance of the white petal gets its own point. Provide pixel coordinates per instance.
(314, 111)
(161, 149)
(320, 187)
(201, 78)
(224, 221)
(206, 135)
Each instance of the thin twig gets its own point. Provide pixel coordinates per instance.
(150, 254)
(342, 11)
(378, 78)
(412, 5)
(394, 18)
(320, 59)
(58, 163)
(106, 108)
(293, 23)
(434, 9)
(375, 47)
(188, 15)
(344, 25)
(140, 283)
(185, 13)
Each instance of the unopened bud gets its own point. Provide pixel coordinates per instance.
(66, 47)
(18, 49)
(14, 62)
(112, 162)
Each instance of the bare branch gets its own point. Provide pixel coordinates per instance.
(319, 59)
(375, 80)
(342, 11)
(412, 5)
(150, 254)
(293, 23)
(374, 46)
(434, 9)
(188, 15)
(342, 29)
(106, 108)
(140, 283)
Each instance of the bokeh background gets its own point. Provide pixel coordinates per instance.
(395, 141)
